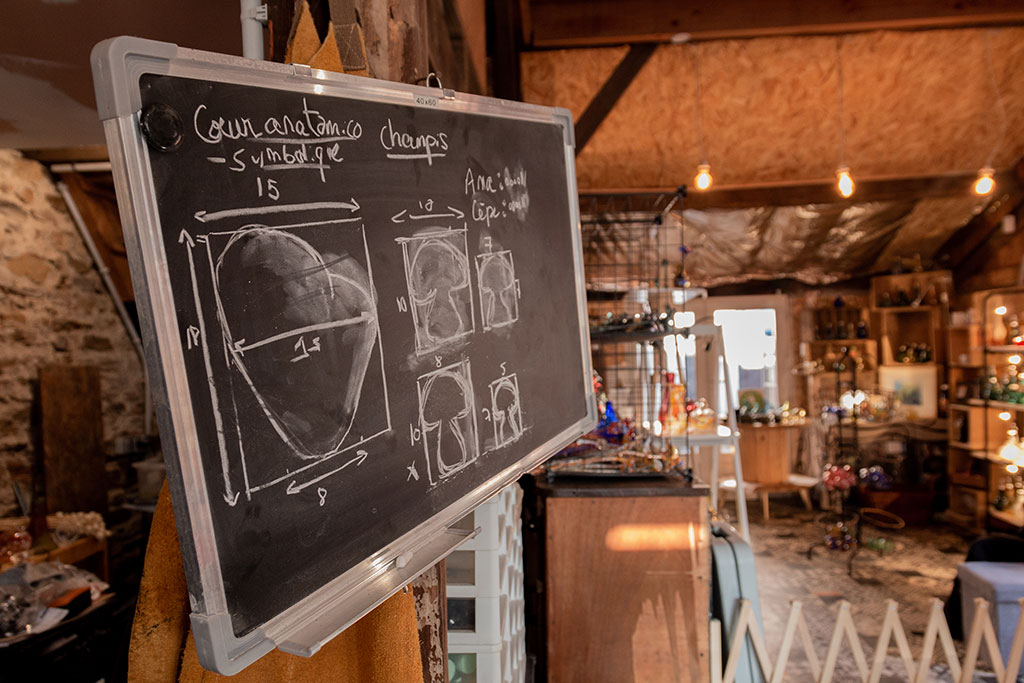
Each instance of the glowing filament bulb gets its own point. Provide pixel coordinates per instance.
(1001, 310)
(985, 183)
(703, 179)
(1005, 416)
(845, 183)
(1013, 360)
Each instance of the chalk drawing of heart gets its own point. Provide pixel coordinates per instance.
(300, 327)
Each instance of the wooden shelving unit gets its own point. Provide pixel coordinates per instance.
(831, 318)
(909, 309)
(978, 426)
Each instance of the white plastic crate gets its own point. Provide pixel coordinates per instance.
(486, 519)
(492, 562)
(488, 623)
(486, 575)
(476, 664)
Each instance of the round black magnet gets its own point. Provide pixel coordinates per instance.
(162, 127)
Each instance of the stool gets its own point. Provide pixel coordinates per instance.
(800, 483)
(1001, 584)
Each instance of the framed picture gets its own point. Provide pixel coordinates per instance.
(913, 387)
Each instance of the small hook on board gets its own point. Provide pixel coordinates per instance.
(445, 93)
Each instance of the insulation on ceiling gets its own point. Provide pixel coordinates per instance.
(814, 244)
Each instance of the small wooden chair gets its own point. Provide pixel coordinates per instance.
(767, 453)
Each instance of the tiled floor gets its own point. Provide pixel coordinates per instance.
(921, 568)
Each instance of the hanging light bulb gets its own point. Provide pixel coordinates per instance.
(985, 183)
(703, 179)
(844, 182)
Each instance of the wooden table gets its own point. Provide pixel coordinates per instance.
(627, 580)
(88, 553)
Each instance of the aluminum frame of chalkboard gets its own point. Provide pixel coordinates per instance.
(304, 627)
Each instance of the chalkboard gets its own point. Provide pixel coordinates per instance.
(363, 305)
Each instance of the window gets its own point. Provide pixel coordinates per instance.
(750, 337)
(757, 339)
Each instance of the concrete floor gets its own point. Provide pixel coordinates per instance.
(921, 568)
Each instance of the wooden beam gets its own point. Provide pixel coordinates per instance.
(504, 23)
(802, 192)
(448, 50)
(578, 23)
(55, 155)
(279, 26)
(966, 241)
(605, 99)
(526, 22)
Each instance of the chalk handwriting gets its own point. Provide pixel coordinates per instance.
(401, 145)
(301, 140)
(497, 195)
(308, 125)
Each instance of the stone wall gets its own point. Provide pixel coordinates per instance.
(53, 309)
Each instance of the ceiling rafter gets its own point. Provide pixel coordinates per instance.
(610, 92)
(590, 23)
(966, 241)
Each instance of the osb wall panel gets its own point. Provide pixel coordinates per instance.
(53, 309)
(915, 103)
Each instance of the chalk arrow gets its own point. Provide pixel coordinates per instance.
(237, 347)
(232, 500)
(354, 205)
(458, 214)
(397, 218)
(200, 216)
(294, 487)
(185, 238)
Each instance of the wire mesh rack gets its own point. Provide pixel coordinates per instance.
(635, 280)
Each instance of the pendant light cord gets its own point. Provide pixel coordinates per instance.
(698, 116)
(1000, 106)
(842, 124)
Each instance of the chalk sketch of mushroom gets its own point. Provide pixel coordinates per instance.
(499, 289)
(300, 327)
(447, 415)
(437, 276)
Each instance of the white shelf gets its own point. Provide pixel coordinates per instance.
(1015, 518)
(1001, 405)
(724, 437)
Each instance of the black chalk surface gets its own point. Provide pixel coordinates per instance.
(378, 313)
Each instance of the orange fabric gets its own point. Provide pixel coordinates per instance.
(382, 647)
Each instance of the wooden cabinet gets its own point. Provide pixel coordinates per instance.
(627, 581)
(767, 452)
